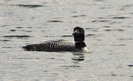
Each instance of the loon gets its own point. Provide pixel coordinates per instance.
(62, 45)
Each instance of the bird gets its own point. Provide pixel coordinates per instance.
(61, 44)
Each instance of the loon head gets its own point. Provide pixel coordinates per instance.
(78, 34)
(79, 37)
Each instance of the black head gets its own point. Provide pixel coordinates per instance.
(78, 34)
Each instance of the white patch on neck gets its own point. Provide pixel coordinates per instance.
(85, 49)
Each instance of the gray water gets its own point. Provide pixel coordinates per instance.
(108, 25)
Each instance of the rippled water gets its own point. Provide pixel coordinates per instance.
(108, 26)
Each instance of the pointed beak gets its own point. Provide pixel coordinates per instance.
(75, 32)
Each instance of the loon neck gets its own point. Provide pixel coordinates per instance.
(80, 44)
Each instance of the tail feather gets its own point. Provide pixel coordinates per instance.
(30, 47)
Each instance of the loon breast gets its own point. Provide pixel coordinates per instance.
(53, 45)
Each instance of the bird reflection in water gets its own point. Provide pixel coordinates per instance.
(78, 56)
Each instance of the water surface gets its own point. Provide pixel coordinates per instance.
(108, 26)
